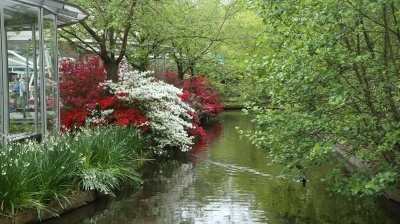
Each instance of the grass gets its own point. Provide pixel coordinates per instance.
(32, 174)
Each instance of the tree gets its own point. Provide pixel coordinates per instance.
(233, 56)
(333, 72)
(194, 37)
(105, 32)
(146, 36)
(188, 31)
(206, 38)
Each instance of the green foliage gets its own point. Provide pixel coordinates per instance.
(192, 47)
(21, 127)
(243, 32)
(332, 71)
(104, 33)
(220, 37)
(32, 174)
(108, 162)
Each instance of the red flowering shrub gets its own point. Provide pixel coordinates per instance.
(131, 116)
(185, 96)
(74, 117)
(201, 95)
(198, 129)
(108, 102)
(84, 102)
(111, 110)
(79, 81)
(198, 92)
(171, 77)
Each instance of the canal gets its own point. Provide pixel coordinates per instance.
(227, 180)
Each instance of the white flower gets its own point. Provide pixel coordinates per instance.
(168, 115)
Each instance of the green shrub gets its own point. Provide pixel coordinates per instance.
(108, 157)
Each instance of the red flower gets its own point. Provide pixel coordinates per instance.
(108, 102)
(79, 88)
(131, 116)
(184, 96)
(123, 121)
(204, 96)
(80, 93)
(74, 117)
(198, 131)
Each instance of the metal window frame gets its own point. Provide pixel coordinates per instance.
(63, 14)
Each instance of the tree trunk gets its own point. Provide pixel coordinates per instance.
(191, 69)
(112, 70)
(181, 73)
(179, 65)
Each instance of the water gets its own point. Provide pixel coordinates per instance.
(227, 180)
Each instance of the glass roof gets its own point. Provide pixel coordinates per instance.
(23, 12)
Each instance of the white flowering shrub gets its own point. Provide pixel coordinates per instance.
(168, 116)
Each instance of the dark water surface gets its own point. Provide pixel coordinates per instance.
(227, 180)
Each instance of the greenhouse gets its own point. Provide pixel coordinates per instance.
(29, 75)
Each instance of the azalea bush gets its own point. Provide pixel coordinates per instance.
(203, 97)
(79, 86)
(169, 117)
(80, 81)
(157, 108)
(199, 92)
(109, 109)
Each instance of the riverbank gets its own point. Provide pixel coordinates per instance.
(43, 180)
(55, 208)
(245, 166)
(76, 200)
(353, 163)
(227, 180)
(233, 107)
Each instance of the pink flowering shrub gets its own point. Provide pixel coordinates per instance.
(203, 96)
(198, 92)
(171, 77)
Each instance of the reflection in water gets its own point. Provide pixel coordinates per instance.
(227, 180)
(234, 169)
(213, 132)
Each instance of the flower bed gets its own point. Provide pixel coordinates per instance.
(35, 174)
(108, 129)
(56, 208)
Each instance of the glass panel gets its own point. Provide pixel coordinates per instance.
(21, 24)
(29, 74)
(51, 71)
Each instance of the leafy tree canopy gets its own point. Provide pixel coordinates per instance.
(105, 32)
(332, 69)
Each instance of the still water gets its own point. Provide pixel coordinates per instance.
(227, 180)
